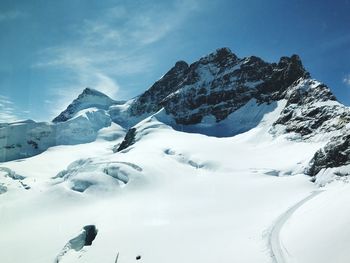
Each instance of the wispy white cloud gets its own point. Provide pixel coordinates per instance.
(138, 26)
(112, 45)
(152, 26)
(346, 80)
(11, 15)
(7, 110)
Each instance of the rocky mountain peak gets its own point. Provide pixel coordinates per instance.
(287, 71)
(293, 68)
(284, 61)
(92, 92)
(180, 65)
(218, 84)
(221, 57)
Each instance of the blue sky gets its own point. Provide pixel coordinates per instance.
(51, 50)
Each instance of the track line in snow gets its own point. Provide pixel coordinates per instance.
(278, 251)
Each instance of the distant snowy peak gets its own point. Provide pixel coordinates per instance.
(89, 98)
(217, 85)
(80, 123)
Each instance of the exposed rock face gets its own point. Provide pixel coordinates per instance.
(91, 233)
(128, 140)
(87, 99)
(287, 71)
(150, 101)
(218, 84)
(312, 107)
(335, 154)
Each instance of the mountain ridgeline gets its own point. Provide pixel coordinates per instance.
(218, 84)
(211, 92)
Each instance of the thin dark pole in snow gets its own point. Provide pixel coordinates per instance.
(116, 259)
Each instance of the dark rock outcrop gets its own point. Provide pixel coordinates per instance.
(129, 139)
(91, 233)
(310, 107)
(287, 71)
(150, 100)
(335, 154)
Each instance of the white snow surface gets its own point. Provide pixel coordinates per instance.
(318, 231)
(172, 197)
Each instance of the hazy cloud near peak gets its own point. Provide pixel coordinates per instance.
(112, 44)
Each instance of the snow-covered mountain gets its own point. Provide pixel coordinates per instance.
(211, 164)
(89, 98)
(79, 123)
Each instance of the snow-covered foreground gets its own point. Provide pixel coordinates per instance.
(279, 252)
(171, 197)
(318, 231)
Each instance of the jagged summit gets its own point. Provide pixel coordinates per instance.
(221, 56)
(91, 91)
(87, 99)
(218, 84)
(181, 64)
(230, 89)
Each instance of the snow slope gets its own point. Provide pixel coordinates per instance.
(278, 249)
(205, 199)
(318, 231)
